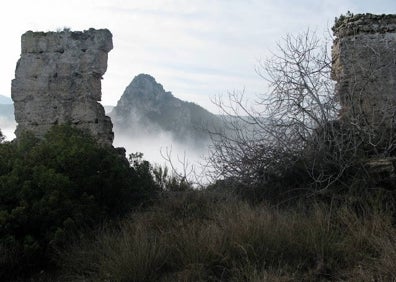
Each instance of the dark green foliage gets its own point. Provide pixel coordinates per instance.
(158, 177)
(52, 189)
(144, 173)
(171, 182)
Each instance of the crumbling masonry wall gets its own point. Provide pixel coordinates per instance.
(364, 67)
(58, 81)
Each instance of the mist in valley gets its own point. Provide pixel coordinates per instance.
(7, 129)
(7, 121)
(161, 148)
(167, 130)
(185, 157)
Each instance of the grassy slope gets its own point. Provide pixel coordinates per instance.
(197, 236)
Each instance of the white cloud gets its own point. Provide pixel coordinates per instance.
(212, 44)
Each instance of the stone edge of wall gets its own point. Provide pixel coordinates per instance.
(347, 25)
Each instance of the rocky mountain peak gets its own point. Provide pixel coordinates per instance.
(145, 86)
(146, 108)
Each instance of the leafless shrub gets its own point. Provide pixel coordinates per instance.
(296, 126)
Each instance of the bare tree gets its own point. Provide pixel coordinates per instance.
(297, 123)
(262, 139)
(180, 172)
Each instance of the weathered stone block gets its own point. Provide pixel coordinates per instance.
(364, 67)
(58, 80)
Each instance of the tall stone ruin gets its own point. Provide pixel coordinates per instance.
(58, 81)
(364, 67)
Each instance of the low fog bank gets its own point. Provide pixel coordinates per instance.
(8, 133)
(7, 120)
(7, 127)
(162, 149)
(159, 148)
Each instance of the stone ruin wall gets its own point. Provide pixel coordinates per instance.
(364, 67)
(58, 81)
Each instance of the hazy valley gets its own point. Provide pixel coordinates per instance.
(152, 121)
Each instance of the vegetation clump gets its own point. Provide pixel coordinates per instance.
(53, 189)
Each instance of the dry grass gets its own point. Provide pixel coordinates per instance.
(198, 237)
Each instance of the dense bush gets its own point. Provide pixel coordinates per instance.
(52, 189)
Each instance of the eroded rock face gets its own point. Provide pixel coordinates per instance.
(58, 81)
(364, 67)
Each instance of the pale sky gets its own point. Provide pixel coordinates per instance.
(197, 49)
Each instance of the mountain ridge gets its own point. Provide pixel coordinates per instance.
(5, 100)
(146, 107)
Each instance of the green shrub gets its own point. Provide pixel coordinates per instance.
(53, 189)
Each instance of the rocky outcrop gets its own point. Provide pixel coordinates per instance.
(364, 67)
(146, 108)
(58, 81)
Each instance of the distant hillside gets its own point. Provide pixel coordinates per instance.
(146, 108)
(7, 111)
(5, 100)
